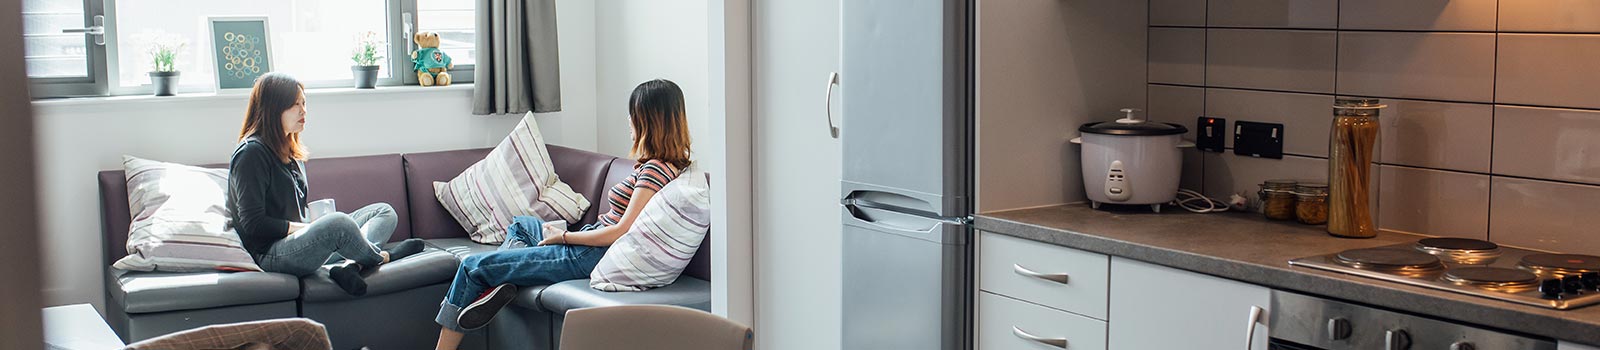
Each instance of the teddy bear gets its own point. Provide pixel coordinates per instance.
(429, 61)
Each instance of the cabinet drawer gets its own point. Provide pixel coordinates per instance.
(1005, 265)
(1004, 322)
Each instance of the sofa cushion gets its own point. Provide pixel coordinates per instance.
(431, 266)
(576, 294)
(662, 240)
(146, 292)
(428, 217)
(355, 182)
(585, 171)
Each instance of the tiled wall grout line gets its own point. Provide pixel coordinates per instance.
(1380, 97)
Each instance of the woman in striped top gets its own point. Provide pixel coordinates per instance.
(540, 253)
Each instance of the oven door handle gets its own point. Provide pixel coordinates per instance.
(1257, 317)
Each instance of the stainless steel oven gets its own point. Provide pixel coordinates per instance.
(1302, 322)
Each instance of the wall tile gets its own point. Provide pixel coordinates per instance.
(1435, 15)
(1549, 16)
(1273, 13)
(1194, 165)
(1453, 136)
(1227, 174)
(1547, 143)
(1557, 70)
(1432, 202)
(1178, 12)
(1290, 60)
(1544, 215)
(1305, 117)
(1178, 56)
(1177, 104)
(1441, 66)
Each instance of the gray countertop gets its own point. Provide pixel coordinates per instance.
(1249, 248)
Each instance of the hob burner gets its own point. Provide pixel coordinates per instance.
(1556, 265)
(1389, 260)
(1460, 250)
(1493, 278)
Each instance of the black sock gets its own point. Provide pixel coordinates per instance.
(348, 277)
(406, 248)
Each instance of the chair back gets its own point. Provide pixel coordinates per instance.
(662, 327)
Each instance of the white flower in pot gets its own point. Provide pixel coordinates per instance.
(368, 52)
(163, 51)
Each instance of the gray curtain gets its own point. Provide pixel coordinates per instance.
(518, 68)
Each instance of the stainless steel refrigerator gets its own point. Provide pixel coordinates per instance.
(906, 90)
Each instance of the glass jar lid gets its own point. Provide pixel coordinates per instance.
(1311, 190)
(1361, 107)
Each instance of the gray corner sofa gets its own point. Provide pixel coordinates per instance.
(402, 297)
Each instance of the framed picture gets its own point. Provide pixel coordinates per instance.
(241, 50)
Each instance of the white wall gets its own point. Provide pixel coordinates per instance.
(640, 40)
(76, 139)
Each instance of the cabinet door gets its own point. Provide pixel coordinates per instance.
(1006, 323)
(1156, 307)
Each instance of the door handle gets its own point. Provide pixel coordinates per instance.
(1257, 315)
(827, 108)
(97, 31)
(1056, 342)
(1052, 277)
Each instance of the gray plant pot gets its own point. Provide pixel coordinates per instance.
(165, 82)
(366, 76)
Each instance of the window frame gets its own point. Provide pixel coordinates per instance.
(105, 70)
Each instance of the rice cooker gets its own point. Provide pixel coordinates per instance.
(1132, 161)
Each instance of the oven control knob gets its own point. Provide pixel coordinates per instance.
(1550, 289)
(1396, 339)
(1461, 345)
(1338, 328)
(1591, 280)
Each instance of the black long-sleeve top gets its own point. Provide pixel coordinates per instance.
(264, 195)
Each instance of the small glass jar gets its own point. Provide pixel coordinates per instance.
(1311, 203)
(1277, 199)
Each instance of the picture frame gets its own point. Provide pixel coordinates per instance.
(241, 51)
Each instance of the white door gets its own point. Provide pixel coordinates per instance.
(797, 225)
(1157, 307)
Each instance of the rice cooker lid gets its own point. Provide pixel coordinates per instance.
(1128, 126)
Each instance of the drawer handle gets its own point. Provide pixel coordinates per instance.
(1056, 342)
(1052, 277)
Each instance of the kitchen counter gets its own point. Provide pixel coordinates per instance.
(1249, 248)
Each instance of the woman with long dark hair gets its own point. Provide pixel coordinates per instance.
(267, 197)
(539, 253)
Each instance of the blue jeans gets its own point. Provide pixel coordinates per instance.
(352, 236)
(520, 261)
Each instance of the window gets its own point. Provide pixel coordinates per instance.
(311, 39)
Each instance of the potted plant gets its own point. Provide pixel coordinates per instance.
(367, 53)
(163, 52)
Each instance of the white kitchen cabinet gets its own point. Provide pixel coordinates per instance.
(1007, 323)
(1156, 307)
(1058, 277)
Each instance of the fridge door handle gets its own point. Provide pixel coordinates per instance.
(1056, 342)
(1257, 317)
(827, 104)
(1052, 277)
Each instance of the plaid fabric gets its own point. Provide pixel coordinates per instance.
(280, 334)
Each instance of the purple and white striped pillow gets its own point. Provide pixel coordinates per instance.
(180, 217)
(515, 179)
(662, 240)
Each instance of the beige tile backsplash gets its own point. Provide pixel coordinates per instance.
(1493, 129)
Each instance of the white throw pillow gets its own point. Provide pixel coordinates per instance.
(180, 216)
(662, 240)
(516, 179)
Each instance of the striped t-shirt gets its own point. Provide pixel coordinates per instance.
(653, 175)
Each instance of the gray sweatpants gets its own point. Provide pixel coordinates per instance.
(354, 236)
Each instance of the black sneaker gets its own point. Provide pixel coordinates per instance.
(479, 313)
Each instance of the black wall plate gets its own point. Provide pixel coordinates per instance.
(1210, 132)
(1260, 140)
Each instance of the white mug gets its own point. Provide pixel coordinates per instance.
(316, 209)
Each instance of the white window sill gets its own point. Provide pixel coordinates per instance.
(242, 95)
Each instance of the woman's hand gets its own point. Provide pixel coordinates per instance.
(555, 232)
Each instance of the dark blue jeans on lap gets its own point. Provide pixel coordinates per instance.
(520, 261)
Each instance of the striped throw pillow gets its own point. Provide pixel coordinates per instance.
(515, 179)
(662, 240)
(180, 216)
